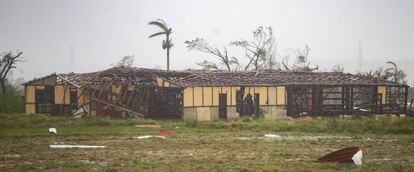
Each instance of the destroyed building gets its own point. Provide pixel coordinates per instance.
(212, 95)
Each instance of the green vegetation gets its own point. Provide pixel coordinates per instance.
(11, 104)
(12, 101)
(36, 123)
(388, 144)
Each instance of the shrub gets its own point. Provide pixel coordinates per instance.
(12, 103)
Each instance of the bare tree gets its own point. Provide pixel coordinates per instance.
(301, 60)
(338, 68)
(126, 61)
(259, 50)
(230, 63)
(208, 65)
(7, 62)
(270, 61)
(390, 74)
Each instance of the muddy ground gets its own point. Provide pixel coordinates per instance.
(205, 151)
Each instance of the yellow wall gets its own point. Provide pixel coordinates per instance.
(203, 114)
(281, 95)
(198, 96)
(116, 89)
(207, 98)
(83, 100)
(216, 92)
(163, 83)
(263, 95)
(188, 97)
(88, 106)
(233, 95)
(131, 87)
(262, 91)
(248, 90)
(30, 98)
(40, 87)
(81, 97)
(252, 91)
(30, 94)
(382, 90)
(60, 93)
(272, 96)
(30, 108)
(160, 81)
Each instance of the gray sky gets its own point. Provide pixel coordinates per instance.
(102, 31)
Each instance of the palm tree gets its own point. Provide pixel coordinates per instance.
(394, 70)
(395, 73)
(167, 43)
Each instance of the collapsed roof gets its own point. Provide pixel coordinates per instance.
(185, 78)
(137, 76)
(275, 77)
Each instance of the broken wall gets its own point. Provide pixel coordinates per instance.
(201, 103)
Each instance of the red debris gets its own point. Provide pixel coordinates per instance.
(166, 132)
(342, 156)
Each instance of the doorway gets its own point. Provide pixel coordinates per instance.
(223, 106)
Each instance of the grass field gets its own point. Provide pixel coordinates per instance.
(387, 144)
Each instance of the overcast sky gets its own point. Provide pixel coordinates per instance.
(99, 32)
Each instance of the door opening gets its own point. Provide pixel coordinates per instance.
(223, 106)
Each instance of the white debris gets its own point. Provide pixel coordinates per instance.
(53, 130)
(357, 158)
(245, 138)
(80, 112)
(75, 146)
(273, 136)
(149, 136)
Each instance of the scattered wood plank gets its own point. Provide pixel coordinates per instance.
(147, 126)
(74, 146)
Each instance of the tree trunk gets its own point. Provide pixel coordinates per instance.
(3, 87)
(168, 58)
(167, 41)
(228, 66)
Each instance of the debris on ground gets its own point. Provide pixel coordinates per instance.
(166, 132)
(75, 146)
(147, 126)
(245, 138)
(357, 158)
(149, 136)
(273, 136)
(53, 130)
(346, 155)
(80, 112)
